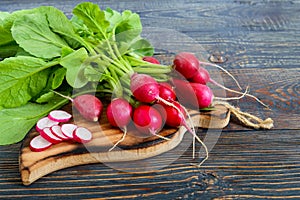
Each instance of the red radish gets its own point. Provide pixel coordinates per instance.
(56, 130)
(186, 63)
(44, 122)
(202, 76)
(48, 135)
(59, 116)
(82, 135)
(190, 67)
(119, 113)
(144, 88)
(151, 59)
(38, 143)
(148, 120)
(167, 92)
(173, 117)
(195, 94)
(89, 106)
(68, 129)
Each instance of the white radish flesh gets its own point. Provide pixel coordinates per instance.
(38, 144)
(82, 135)
(45, 122)
(47, 134)
(68, 129)
(56, 130)
(59, 116)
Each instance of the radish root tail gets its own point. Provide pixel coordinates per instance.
(237, 92)
(233, 98)
(122, 139)
(224, 70)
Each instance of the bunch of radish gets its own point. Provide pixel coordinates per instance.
(56, 128)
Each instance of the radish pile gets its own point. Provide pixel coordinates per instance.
(55, 128)
(151, 106)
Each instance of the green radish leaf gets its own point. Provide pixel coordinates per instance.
(60, 24)
(93, 17)
(141, 47)
(113, 17)
(17, 122)
(74, 63)
(57, 77)
(33, 34)
(21, 78)
(45, 98)
(3, 15)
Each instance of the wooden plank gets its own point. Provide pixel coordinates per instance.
(242, 164)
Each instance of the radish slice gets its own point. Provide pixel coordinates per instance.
(44, 122)
(82, 135)
(38, 144)
(48, 135)
(68, 129)
(59, 116)
(56, 130)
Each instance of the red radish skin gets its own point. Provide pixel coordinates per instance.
(44, 122)
(202, 76)
(82, 135)
(47, 134)
(89, 106)
(167, 92)
(151, 59)
(56, 130)
(173, 117)
(119, 113)
(195, 95)
(144, 88)
(38, 144)
(59, 116)
(186, 64)
(147, 120)
(68, 129)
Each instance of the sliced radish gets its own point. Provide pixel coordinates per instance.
(68, 129)
(82, 135)
(59, 116)
(56, 130)
(38, 144)
(45, 122)
(48, 135)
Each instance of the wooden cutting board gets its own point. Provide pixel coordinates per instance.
(34, 165)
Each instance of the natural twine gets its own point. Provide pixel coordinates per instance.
(247, 119)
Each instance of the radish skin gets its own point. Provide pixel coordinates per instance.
(38, 144)
(151, 59)
(186, 64)
(148, 121)
(119, 113)
(89, 106)
(167, 92)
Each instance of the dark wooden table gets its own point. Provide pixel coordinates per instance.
(261, 42)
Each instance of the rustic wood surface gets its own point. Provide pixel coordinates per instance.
(260, 41)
